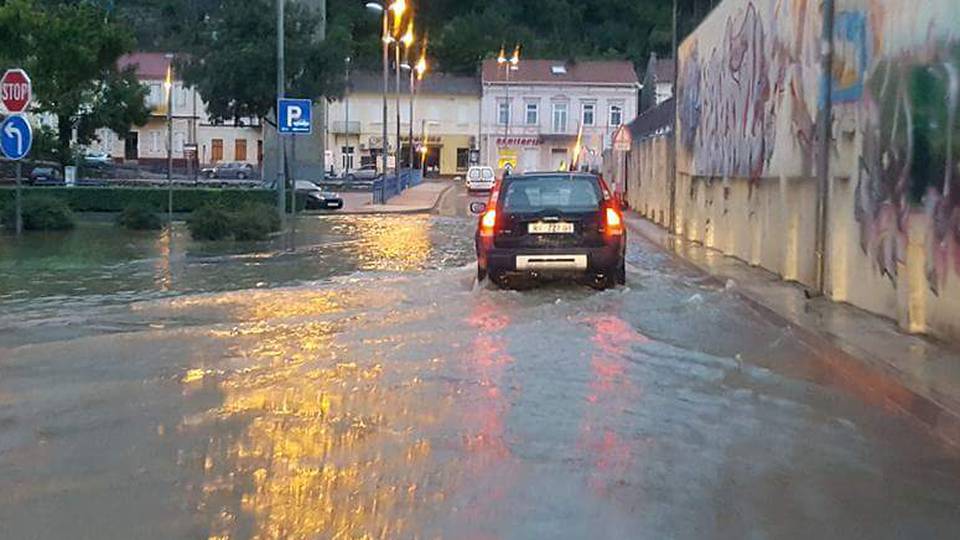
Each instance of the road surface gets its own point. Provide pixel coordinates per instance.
(366, 387)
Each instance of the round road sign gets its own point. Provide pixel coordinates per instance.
(16, 137)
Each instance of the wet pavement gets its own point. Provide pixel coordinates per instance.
(365, 386)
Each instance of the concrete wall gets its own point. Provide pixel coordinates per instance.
(748, 96)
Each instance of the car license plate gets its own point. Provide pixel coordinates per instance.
(550, 228)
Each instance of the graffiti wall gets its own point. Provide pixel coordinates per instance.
(750, 88)
(747, 90)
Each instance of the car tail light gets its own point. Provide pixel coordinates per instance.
(488, 223)
(614, 221)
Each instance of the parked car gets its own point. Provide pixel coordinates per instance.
(46, 176)
(365, 173)
(480, 178)
(318, 199)
(97, 158)
(551, 224)
(237, 171)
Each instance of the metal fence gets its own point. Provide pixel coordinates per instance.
(389, 186)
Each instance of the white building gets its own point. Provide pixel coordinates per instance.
(147, 144)
(533, 120)
(446, 115)
(657, 82)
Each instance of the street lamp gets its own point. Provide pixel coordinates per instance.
(168, 87)
(509, 64)
(405, 41)
(417, 73)
(386, 38)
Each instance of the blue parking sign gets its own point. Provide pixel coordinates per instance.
(295, 116)
(16, 136)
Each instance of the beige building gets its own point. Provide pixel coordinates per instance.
(147, 144)
(532, 119)
(446, 116)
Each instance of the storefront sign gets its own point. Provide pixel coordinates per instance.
(519, 141)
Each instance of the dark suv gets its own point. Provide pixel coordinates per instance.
(544, 224)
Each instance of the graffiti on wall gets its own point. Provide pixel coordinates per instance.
(732, 91)
(911, 145)
(749, 92)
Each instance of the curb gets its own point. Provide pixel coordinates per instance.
(406, 211)
(872, 383)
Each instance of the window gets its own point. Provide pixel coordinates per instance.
(616, 115)
(463, 158)
(463, 114)
(533, 114)
(503, 112)
(534, 194)
(216, 150)
(155, 99)
(178, 142)
(240, 150)
(182, 97)
(559, 117)
(589, 116)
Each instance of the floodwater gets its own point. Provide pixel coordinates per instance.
(365, 386)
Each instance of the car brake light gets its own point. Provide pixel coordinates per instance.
(488, 223)
(614, 221)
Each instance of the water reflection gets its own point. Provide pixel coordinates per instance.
(331, 446)
(611, 392)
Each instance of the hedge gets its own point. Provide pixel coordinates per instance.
(115, 199)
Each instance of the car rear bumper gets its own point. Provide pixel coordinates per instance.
(479, 186)
(593, 260)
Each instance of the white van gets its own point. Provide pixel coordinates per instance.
(480, 178)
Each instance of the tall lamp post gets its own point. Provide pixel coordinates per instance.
(405, 42)
(397, 6)
(416, 74)
(168, 86)
(509, 64)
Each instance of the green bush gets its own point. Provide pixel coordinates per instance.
(40, 214)
(210, 222)
(115, 199)
(139, 217)
(255, 222)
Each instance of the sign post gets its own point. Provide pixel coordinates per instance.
(294, 117)
(16, 137)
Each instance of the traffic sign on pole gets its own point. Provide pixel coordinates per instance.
(16, 137)
(295, 116)
(15, 90)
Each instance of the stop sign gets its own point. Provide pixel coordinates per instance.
(15, 90)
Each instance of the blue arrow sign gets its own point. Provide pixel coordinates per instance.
(15, 137)
(295, 116)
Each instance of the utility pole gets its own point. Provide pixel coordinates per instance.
(396, 161)
(825, 135)
(673, 121)
(321, 106)
(281, 90)
(170, 143)
(348, 161)
(386, 88)
(413, 96)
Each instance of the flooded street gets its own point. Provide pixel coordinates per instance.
(365, 386)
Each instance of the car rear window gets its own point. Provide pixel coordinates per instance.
(474, 174)
(563, 193)
(488, 174)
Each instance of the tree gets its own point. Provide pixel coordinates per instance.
(71, 52)
(233, 63)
